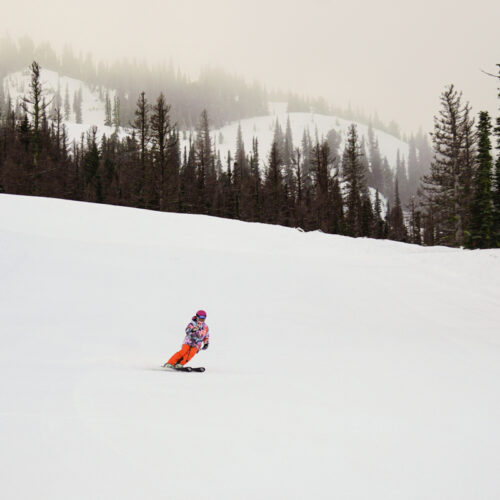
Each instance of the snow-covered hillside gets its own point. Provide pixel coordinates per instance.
(16, 86)
(317, 125)
(338, 368)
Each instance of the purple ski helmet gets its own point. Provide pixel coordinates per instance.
(201, 314)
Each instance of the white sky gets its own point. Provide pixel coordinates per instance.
(392, 56)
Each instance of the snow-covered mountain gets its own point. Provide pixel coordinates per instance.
(338, 367)
(17, 84)
(317, 125)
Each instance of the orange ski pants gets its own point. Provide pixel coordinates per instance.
(184, 355)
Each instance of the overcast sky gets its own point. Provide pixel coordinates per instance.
(392, 56)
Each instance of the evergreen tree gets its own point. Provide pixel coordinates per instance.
(35, 106)
(77, 105)
(375, 160)
(469, 156)
(273, 188)
(413, 167)
(354, 179)
(67, 108)
(173, 172)
(141, 125)
(160, 134)
(401, 174)
(387, 180)
(496, 190)
(481, 226)
(56, 102)
(337, 206)
(288, 145)
(279, 139)
(415, 224)
(255, 183)
(91, 158)
(306, 156)
(397, 229)
(446, 189)
(205, 166)
(322, 208)
(107, 111)
(379, 225)
(239, 172)
(117, 112)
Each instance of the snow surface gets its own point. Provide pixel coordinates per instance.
(338, 368)
(17, 85)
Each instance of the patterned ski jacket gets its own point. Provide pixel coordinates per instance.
(197, 334)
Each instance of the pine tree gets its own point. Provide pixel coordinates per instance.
(92, 182)
(35, 106)
(496, 190)
(354, 179)
(141, 125)
(67, 107)
(306, 156)
(239, 172)
(379, 225)
(107, 111)
(279, 139)
(273, 187)
(288, 154)
(481, 224)
(116, 113)
(397, 229)
(402, 178)
(255, 183)
(413, 167)
(415, 223)
(77, 105)
(375, 160)
(205, 166)
(173, 172)
(446, 189)
(160, 133)
(320, 163)
(56, 102)
(367, 216)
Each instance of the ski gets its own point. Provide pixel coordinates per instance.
(199, 369)
(191, 369)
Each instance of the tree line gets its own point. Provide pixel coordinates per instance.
(313, 187)
(225, 96)
(459, 199)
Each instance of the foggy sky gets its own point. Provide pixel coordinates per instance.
(392, 56)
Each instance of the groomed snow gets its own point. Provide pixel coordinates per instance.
(338, 368)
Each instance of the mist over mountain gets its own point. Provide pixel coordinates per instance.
(225, 96)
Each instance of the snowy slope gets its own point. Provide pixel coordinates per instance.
(318, 126)
(338, 368)
(17, 84)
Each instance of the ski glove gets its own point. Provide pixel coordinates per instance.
(205, 346)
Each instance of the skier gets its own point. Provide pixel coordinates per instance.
(197, 338)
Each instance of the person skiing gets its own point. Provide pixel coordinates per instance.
(197, 338)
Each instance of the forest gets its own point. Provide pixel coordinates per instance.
(312, 187)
